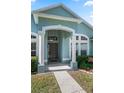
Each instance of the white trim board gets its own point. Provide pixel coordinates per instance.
(35, 34)
(57, 27)
(50, 16)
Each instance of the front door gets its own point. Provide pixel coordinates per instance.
(53, 52)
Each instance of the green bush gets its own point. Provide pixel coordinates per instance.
(83, 62)
(34, 63)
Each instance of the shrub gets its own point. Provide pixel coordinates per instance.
(34, 63)
(83, 62)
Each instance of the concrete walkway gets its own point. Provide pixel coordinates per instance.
(66, 83)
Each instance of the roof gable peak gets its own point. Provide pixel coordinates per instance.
(65, 8)
(55, 6)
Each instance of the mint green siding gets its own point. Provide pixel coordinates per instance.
(34, 27)
(65, 45)
(48, 22)
(59, 11)
(83, 29)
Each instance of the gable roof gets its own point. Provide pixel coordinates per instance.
(64, 7)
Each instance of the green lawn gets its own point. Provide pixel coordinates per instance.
(44, 83)
(85, 80)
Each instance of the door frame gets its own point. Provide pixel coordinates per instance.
(57, 42)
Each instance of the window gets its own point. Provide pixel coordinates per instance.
(33, 49)
(77, 49)
(82, 45)
(77, 37)
(32, 36)
(83, 48)
(52, 38)
(83, 38)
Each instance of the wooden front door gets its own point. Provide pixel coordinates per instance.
(53, 52)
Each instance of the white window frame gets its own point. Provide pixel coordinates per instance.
(34, 49)
(79, 41)
(35, 40)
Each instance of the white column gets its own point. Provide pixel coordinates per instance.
(41, 48)
(70, 47)
(73, 49)
(73, 63)
(37, 46)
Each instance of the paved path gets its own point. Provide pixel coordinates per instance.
(66, 83)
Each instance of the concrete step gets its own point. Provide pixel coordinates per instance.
(59, 68)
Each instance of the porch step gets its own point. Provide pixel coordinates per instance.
(59, 68)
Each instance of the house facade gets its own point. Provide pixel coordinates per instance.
(59, 35)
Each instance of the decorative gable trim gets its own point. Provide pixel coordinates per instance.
(36, 15)
(35, 18)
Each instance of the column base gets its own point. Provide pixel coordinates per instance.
(74, 65)
(41, 68)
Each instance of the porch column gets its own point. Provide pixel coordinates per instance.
(41, 67)
(74, 63)
(73, 49)
(70, 47)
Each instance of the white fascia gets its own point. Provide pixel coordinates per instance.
(35, 18)
(50, 16)
(57, 27)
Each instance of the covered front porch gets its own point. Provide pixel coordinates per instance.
(56, 46)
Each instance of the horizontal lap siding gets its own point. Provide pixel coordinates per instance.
(49, 22)
(59, 11)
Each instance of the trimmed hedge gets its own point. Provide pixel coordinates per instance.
(34, 63)
(85, 62)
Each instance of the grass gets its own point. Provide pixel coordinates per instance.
(44, 83)
(85, 80)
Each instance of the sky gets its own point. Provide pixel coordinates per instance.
(84, 8)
